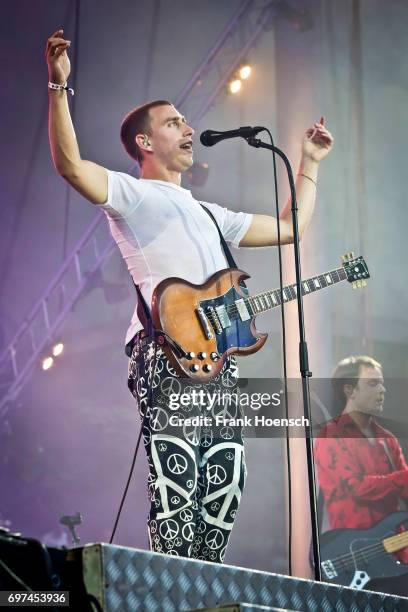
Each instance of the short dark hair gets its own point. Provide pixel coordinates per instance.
(347, 372)
(138, 122)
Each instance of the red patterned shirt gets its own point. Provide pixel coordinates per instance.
(361, 482)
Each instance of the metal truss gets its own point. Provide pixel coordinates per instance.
(252, 18)
(41, 326)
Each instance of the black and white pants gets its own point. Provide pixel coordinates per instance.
(196, 472)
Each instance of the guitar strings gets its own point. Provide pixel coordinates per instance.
(232, 309)
(373, 550)
(356, 557)
(250, 300)
(404, 537)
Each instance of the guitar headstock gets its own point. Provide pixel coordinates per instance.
(356, 270)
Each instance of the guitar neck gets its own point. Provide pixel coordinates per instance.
(271, 299)
(396, 542)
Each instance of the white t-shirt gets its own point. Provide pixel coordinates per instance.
(162, 231)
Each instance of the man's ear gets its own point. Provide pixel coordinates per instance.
(143, 142)
(348, 390)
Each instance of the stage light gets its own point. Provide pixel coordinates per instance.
(245, 71)
(235, 86)
(47, 363)
(57, 349)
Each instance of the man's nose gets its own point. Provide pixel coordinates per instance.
(189, 131)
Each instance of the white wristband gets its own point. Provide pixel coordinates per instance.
(57, 87)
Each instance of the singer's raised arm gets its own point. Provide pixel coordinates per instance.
(90, 179)
(317, 143)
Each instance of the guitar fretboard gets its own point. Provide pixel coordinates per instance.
(366, 554)
(267, 300)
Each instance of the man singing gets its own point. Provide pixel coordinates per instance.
(195, 483)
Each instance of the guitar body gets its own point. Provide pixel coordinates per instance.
(353, 557)
(180, 309)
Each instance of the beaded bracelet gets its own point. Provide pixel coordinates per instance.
(58, 87)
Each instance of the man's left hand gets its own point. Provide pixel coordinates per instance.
(317, 142)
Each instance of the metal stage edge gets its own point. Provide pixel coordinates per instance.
(125, 579)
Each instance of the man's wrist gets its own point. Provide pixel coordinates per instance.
(58, 87)
(310, 167)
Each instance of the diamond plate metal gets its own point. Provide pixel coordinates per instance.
(127, 579)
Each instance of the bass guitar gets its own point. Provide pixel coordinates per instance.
(203, 324)
(353, 557)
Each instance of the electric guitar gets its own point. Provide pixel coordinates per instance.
(203, 324)
(353, 557)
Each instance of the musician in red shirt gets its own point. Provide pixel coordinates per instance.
(360, 466)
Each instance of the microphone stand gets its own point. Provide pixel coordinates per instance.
(303, 357)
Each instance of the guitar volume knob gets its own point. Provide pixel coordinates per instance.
(202, 355)
(207, 367)
(190, 355)
(194, 367)
(214, 356)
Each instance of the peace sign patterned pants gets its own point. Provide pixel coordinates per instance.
(196, 472)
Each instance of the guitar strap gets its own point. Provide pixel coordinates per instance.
(144, 316)
(225, 247)
(227, 252)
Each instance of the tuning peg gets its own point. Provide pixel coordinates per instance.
(343, 258)
(364, 283)
(354, 284)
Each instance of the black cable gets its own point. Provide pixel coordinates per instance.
(95, 605)
(149, 405)
(15, 577)
(285, 379)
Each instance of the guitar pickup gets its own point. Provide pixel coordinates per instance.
(223, 316)
(242, 310)
(204, 322)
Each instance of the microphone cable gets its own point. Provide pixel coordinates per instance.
(285, 377)
(142, 423)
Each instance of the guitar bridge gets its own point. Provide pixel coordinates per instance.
(214, 319)
(204, 322)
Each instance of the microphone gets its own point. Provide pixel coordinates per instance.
(211, 137)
